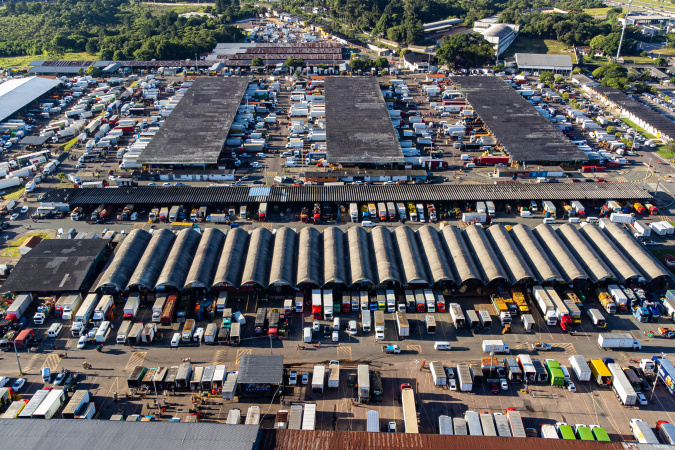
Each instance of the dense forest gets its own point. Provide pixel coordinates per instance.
(115, 29)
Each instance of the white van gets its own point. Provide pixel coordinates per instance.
(533, 205)
(55, 330)
(336, 324)
(592, 220)
(574, 220)
(351, 330)
(442, 345)
(465, 157)
(239, 317)
(307, 335)
(367, 223)
(549, 220)
(175, 340)
(526, 214)
(46, 375)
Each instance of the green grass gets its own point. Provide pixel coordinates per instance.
(663, 151)
(641, 130)
(524, 44)
(13, 248)
(157, 10)
(23, 61)
(598, 12)
(665, 51)
(69, 144)
(15, 194)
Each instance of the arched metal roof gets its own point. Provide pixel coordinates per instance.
(153, 259)
(438, 263)
(124, 262)
(568, 266)
(258, 258)
(584, 253)
(386, 259)
(206, 261)
(284, 262)
(310, 256)
(611, 255)
(335, 262)
(232, 258)
(180, 259)
(412, 264)
(461, 259)
(646, 263)
(359, 256)
(509, 256)
(534, 254)
(484, 254)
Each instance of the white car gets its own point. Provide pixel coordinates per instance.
(316, 326)
(244, 155)
(293, 378)
(18, 384)
(453, 384)
(4, 381)
(82, 342)
(166, 184)
(571, 387)
(305, 378)
(504, 384)
(642, 399)
(256, 165)
(134, 216)
(24, 209)
(15, 216)
(261, 155)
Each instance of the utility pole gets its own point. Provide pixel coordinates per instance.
(17, 359)
(623, 31)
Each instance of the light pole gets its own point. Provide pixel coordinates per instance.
(656, 379)
(18, 362)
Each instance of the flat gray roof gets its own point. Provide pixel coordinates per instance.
(80, 434)
(358, 126)
(19, 92)
(260, 369)
(524, 133)
(196, 130)
(540, 60)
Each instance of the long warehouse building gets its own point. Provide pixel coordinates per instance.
(400, 257)
(226, 195)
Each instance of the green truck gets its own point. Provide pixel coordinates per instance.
(555, 373)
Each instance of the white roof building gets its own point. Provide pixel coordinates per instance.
(20, 92)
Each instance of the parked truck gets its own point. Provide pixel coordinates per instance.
(318, 378)
(562, 312)
(621, 386)
(333, 374)
(379, 324)
(516, 423)
(71, 305)
(495, 346)
(131, 306)
(606, 300)
(363, 383)
(619, 297)
(642, 432)
(158, 307)
(43, 312)
(457, 315)
(465, 377)
(328, 306)
(618, 340)
(169, 311)
(18, 307)
(402, 324)
(409, 410)
(580, 367)
(83, 315)
(545, 305)
(104, 310)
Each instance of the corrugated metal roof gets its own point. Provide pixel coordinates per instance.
(261, 369)
(611, 255)
(534, 254)
(40, 434)
(258, 258)
(561, 256)
(310, 256)
(509, 256)
(126, 259)
(284, 261)
(359, 256)
(412, 264)
(206, 196)
(232, 258)
(206, 260)
(484, 255)
(153, 259)
(584, 253)
(335, 263)
(646, 263)
(180, 259)
(20, 92)
(438, 263)
(386, 259)
(460, 256)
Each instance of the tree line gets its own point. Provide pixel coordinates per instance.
(113, 29)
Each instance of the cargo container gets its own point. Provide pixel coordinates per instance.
(445, 425)
(643, 432)
(18, 307)
(516, 423)
(618, 340)
(502, 425)
(77, 402)
(473, 423)
(580, 367)
(318, 377)
(459, 425)
(309, 417)
(50, 405)
(549, 432)
(465, 377)
(487, 424)
(402, 324)
(409, 410)
(621, 386)
(665, 430)
(372, 421)
(438, 373)
(295, 417)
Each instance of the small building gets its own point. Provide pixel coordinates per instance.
(416, 62)
(260, 375)
(584, 81)
(29, 244)
(500, 35)
(536, 62)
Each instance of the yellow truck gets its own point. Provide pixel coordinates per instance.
(606, 300)
(499, 304)
(519, 299)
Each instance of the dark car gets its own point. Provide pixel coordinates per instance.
(327, 330)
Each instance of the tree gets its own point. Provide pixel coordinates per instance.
(382, 62)
(106, 54)
(559, 79)
(465, 51)
(499, 68)
(576, 70)
(617, 135)
(289, 62)
(91, 46)
(546, 77)
(93, 71)
(257, 62)
(611, 129)
(660, 61)
(566, 96)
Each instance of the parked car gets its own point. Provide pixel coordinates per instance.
(24, 209)
(293, 378)
(541, 346)
(305, 378)
(60, 378)
(642, 399)
(18, 384)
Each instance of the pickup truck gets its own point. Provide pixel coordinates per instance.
(391, 348)
(541, 346)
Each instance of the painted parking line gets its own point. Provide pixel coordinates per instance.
(414, 348)
(241, 352)
(28, 363)
(136, 359)
(344, 352)
(52, 362)
(219, 357)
